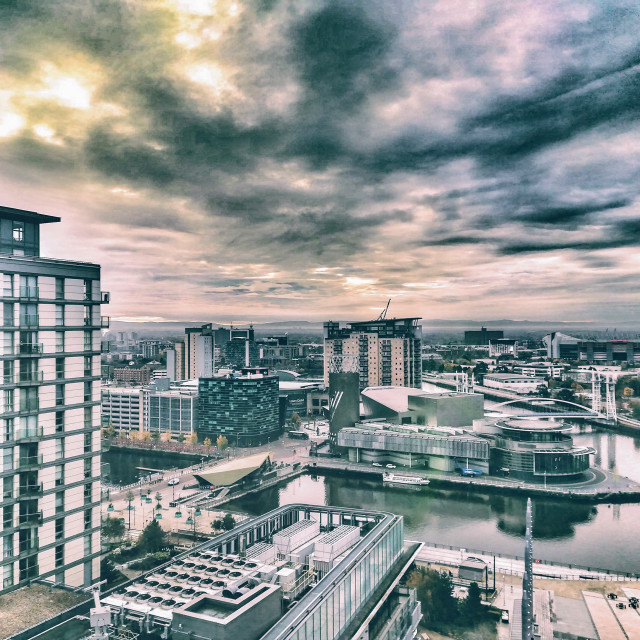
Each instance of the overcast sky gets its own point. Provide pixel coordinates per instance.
(235, 160)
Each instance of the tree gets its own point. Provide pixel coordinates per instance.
(228, 522)
(472, 608)
(152, 539)
(113, 528)
(155, 436)
(628, 392)
(180, 438)
(543, 391)
(207, 444)
(635, 410)
(435, 592)
(166, 437)
(193, 439)
(222, 443)
(566, 394)
(108, 571)
(110, 431)
(145, 436)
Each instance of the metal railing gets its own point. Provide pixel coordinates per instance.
(29, 348)
(105, 322)
(105, 297)
(29, 462)
(30, 490)
(29, 405)
(29, 320)
(29, 433)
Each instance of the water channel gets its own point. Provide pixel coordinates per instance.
(600, 536)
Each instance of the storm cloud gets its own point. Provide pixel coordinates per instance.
(286, 158)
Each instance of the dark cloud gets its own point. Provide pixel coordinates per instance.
(568, 215)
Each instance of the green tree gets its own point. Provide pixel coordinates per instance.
(566, 394)
(180, 438)
(543, 391)
(108, 571)
(152, 539)
(228, 522)
(110, 431)
(155, 436)
(113, 528)
(635, 410)
(471, 607)
(222, 443)
(435, 592)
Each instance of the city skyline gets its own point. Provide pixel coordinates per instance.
(310, 160)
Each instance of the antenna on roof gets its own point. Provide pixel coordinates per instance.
(383, 315)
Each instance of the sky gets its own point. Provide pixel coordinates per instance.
(306, 159)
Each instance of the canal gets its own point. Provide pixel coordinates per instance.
(121, 466)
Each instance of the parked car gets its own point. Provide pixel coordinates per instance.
(504, 616)
(377, 464)
(391, 466)
(174, 481)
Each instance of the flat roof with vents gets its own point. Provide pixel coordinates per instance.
(338, 533)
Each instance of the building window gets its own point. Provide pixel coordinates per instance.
(59, 555)
(59, 288)
(59, 314)
(60, 529)
(7, 576)
(88, 366)
(7, 487)
(88, 341)
(8, 313)
(59, 421)
(8, 431)
(59, 341)
(7, 546)
(87, 468)
(88, 289)
(59, 448)
(59, 475)
(60, 502)
(87, 519)
(18, 231)
(7, 459)
(59, 394)
(59, 367)
(88, 488)
(88, 394)
(7, 517)
(87, 442)
(87, 316)
(88, 417)
(87, 545)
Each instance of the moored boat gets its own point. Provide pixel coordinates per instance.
(396, 478)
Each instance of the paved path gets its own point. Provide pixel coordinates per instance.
(604, 619)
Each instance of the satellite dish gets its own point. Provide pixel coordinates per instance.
(131, 363)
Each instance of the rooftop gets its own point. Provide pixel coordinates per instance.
(26, 216)
(229, 473)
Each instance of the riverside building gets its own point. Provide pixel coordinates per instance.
(299, 572)
(50, 410)
(388, 351)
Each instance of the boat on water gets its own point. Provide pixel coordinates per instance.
(395, 478)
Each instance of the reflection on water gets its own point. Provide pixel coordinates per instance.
(123, 464)
(564, 531)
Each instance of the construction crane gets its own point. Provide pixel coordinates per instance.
(383, 315)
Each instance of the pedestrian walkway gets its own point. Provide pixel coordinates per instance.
(604, 620)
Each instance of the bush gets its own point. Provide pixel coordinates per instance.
(151, 561)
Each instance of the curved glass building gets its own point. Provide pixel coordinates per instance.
(536, 449)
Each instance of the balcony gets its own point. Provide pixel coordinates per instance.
(104, 347)
(29, 320)
(30, 491)
(30, 518)
(30, 348)
(104, 322)
(105, 297)
(33, 433)
(30, 293)
(28, 547)
(29, 462)
(29, 377)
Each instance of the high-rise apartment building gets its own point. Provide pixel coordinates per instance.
(388, 351)
(49, 411)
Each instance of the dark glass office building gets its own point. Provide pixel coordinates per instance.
(244, 409)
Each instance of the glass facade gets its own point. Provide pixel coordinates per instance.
(244, 410)
(328, 619)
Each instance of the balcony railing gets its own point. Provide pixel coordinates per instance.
(30, 348)
(29, 405)
(29, 377)
(31, 433)
(30, 518)
(104, 347)
(29, 491)
(105, 297)
(30, 462)
(28, 547)
(104, 322)
(29, 292)
(29, 320)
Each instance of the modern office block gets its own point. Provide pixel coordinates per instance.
(388, 351)
(122, 408)
(244, 409)
(254, 595)
(49, 411)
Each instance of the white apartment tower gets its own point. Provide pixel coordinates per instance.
(49, 410)
(388, 351)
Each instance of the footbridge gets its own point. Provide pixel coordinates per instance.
(549, 408)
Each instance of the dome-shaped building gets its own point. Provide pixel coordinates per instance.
(535, 449)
